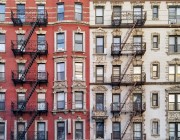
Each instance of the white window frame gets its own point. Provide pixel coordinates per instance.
(84, 128)
(75, 71)
(153, 133)
(84, 40)
(3, 71)
(46, 126)
(55, 128)
(55, 41)
(5, 129)
(57, 71)
(3, 44)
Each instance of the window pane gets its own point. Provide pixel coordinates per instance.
(61, 131)
(171, 69)
(99, 11)
(60, 42)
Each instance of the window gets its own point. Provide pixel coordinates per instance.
(60, 130)
(116, 102)
(100, 129)
(100, 44)
(137, 13)
(117, 11)
(155, 12)
(60, 46)
(41, 12)
(99, 15)
(2, 131)
(137, 73)
(78, 130)
(2, 42)
(155, 99)
(100, 102)
(60, 100)
(42, 72)
(20, 41)
(155, 41)
(41, 42)
(21, 12)
(99, 74)
(174, 130)
(155, 71)
(116, 43)
(41, 101)
(116, 132)
(41, 131)
(2, 101)
(137, 131)
(174, 73)
(78, 11)
(78, 75)
(60, 12)
(2, 72)
(174, 102)
(155, 127)
(21, 129)
(2, 12)
(78, 42)
(61, 71)
(116, 69)
(174, 44)
(79, 100)
(21, 69)
(21, 99)
(174, 15)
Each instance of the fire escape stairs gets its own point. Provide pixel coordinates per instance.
(29, 65)
(21, 137)
(127, 125)
(25, 41)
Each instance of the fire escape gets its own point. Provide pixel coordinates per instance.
(33, 48)
(131, 50)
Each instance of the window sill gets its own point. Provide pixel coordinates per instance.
(99, 54)
(155, 135)
(78, 52)
(155, 18)
(173, 53)
(60, 52)
(155, 78)
(2, 51)
(155, 107)
(65, 111)
(155, 49)
(78, 110)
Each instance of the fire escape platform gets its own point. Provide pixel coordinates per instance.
(28, 17)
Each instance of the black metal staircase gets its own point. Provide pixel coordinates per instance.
(26, 76)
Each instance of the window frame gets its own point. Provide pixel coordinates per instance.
(81, 13)
(62, 100)
(3, 101)
(78, 100)
(100, 103)
(135, 131)
(155, 43)
(175, 46)
(102, 132)
(173, 20)
(60, 4)
(155, 99)
(155, 73)
(175, 103)
(155, 128)
(4, 14)
(176, 131)
(3, 43)
(101, 76)
(102, 8)
(77, 71)
(4, 131)
(61, 43)
(100, 46)
(61, 131)
(175, 74)
(78, 42)
(3, 72)
(155, 15)
(118, 132)
(79, 130)
(64, 72)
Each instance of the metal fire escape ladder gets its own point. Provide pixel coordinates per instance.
(127, 35)
(29, 65)
(127, 125)
(22, 136)
(29, 35)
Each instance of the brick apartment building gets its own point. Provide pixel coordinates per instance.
(44, 69)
